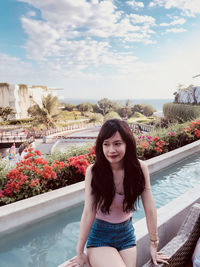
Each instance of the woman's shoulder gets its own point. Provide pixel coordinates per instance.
(142, 164)
(89, 168)
(88, 175)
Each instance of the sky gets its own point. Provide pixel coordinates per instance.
(119, 49)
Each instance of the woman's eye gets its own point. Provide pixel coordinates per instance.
(105, 144)
(117, 144)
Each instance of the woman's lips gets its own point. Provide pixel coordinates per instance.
(113, 157)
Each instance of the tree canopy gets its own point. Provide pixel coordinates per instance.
(48, 113)
(6, 113)
(105, 105)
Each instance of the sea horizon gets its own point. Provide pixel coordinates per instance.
(157, 103)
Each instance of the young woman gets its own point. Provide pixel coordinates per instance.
(113, 185)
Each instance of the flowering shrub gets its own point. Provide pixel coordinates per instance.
(167, 140)
(34, 175)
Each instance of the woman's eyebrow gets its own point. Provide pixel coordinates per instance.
(120, 140)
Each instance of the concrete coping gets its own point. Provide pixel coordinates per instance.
(35, 208)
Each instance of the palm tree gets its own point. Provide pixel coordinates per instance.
(48, 113)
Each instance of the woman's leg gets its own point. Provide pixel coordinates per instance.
(129, 256)
(105, 257)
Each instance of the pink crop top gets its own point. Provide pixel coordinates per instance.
(116, 215)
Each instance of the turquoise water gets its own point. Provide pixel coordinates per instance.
(51, 241)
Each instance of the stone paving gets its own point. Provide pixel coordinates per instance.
(45, 148)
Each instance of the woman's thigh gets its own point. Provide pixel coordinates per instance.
(129, 256)
(105, 257)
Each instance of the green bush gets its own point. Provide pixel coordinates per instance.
(96, 118)
(137, 115)
(71, 151)
(71, 115)
(3, 171)
(148, 110)
(180, 112)
(17, 121)
(111, 115)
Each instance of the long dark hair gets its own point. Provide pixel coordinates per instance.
(102, 176)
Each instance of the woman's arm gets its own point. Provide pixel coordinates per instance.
(87, 219)
(151, 216)
(149, 206)
(88, 214)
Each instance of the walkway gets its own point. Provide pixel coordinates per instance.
(45, 148)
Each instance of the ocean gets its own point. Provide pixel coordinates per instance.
(156, 103)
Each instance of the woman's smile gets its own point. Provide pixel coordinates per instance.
(114, 148)
(113, 156)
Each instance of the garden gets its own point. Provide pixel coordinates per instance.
(36, 175)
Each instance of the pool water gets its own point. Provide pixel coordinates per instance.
(52, 241)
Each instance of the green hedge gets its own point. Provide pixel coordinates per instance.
(181, 112)
(17, 121)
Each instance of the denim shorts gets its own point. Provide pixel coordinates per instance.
(118, 235)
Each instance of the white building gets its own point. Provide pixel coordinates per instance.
(21, 97)
(190, 94)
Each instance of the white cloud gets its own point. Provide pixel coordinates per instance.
(142, 19)
(14, 70)
(152, 4)
(66, 35)
(189, 7)
(179, 21)
(79, 13)
(132, 79)
(42, 38)
(134, 4)
(31, 14)
(176, 30)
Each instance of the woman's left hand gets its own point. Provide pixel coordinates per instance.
(158, 256)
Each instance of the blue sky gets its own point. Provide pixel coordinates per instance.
(93, 49)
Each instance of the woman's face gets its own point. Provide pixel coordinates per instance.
(114, 149)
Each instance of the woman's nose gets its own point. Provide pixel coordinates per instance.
(112, 149)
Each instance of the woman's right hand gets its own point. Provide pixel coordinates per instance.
(79, 261)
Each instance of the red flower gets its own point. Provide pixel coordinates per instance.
(38, 153)
(197, 133)
(156, 138)
(80, 162)
(144, 145)
(1, 194)
(33, 183)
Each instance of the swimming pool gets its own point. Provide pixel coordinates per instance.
(53, 240)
